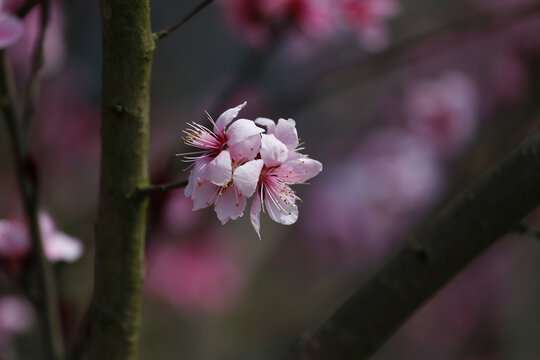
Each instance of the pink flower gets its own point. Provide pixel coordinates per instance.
(15, 240)
(283, 166)
(202, 275)
(229, 149)
(11, 28)
(53, 46)
(16, 317)
(57, 245)
(443, 111)
(258, 20)
(368, 18)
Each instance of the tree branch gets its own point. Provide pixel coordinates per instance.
(32, 85)
(128, 50)
(492, 207)
(161, 34)
(155, 189)
(44, 296)
(528, 230)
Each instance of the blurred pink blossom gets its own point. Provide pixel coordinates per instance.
(444, 111)
(202, 275)
(54, 45)
(368, 18)
(15, 241)
(366, 202)
(257, 21)
(16, 317)
(11, 28)
(178, 216)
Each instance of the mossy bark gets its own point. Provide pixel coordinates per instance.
(128, 48)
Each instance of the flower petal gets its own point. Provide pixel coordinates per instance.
(196, 175)
(224, 119)
(269, 124)
(273, 151)
(287, 134)
(279, 211)
(246, 177)
(229, 205)
(204, 194)
(304, 168)
(241, 130)
(219, 170)
(11, 30)
(246, 150)
(255, 214)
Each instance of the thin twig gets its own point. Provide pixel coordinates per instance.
(45, 297)
(161, 34)
(156, 189)
(32, 86)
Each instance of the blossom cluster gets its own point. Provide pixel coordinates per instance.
(242, 158)
(15, 240)
(257, 20)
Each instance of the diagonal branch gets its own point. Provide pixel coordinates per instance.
(492, 207)
(161, 34)
(45, 297)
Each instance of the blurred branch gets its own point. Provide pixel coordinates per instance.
(27, 7)
(44, 296)
(528, 230)
(127, 53)
(156, 189)
(32, 86)
(492, 207)
(161, 34)
(407, 51)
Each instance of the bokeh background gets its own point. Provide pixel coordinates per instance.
(405, 102)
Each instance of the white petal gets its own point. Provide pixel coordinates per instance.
(255, 214)
(229, 205)
(304, 168)
(241, 130)
(246, 177)
(196, 175)
(273, 151)
(204, 194)
(280, 212)
(219, 170)
(246, 150)
(224, 119)
(287, 134)
(269, 124)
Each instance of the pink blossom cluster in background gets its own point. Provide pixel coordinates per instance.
(11, 28)
(16, 317)
(260, 21)
(369, 200)
(15, 241)
(200, 273)
(242, 158)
